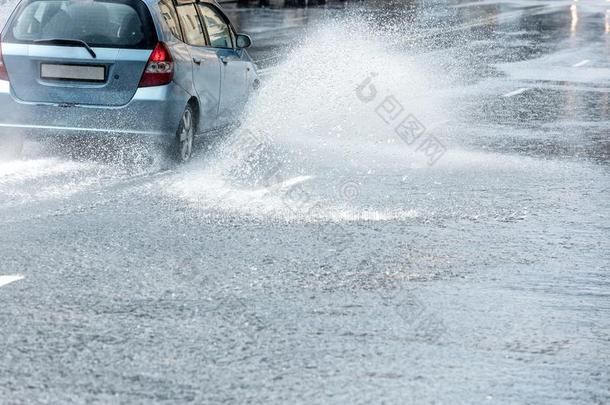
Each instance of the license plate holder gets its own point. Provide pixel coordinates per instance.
(72, 72)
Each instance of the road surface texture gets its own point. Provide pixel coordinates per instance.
(415, 210)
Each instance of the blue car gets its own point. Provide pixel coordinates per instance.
(162, 69)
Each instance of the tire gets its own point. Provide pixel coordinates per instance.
(181, 149)
(10, 147)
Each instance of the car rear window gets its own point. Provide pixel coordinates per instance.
(100, 23)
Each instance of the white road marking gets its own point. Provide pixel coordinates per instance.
(294, 181)
(4, 280)
(288, 183)
(516, 92)
(581, 63)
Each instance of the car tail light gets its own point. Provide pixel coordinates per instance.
(159, 68)
(3, 72)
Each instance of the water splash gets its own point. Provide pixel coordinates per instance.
(5, 11)
(327, 114)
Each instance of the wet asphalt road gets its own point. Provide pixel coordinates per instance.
(339, 260)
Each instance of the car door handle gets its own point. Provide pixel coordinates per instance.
(224, 59)
(197, 61)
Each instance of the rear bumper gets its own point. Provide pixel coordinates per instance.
(153, 112)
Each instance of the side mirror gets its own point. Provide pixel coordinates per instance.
(243, 41)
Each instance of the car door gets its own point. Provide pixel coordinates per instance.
(233, 63)
(206, 66)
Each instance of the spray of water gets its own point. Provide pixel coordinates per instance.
(343, 107)
(5, 11)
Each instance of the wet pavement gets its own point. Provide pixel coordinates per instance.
(415, 210)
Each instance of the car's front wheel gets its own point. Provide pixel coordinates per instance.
(182, 147)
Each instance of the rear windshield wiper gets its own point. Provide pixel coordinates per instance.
(60, 41)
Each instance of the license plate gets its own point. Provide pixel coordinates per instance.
(84, 73)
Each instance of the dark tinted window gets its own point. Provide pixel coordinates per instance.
(103, 23)
(218, 29)
(171, 19)
(191, 25)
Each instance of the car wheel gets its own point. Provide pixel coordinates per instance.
(185, 137)
(11, 147)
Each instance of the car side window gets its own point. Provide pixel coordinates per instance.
(218, 29)
(189, 19)
(171, 19)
